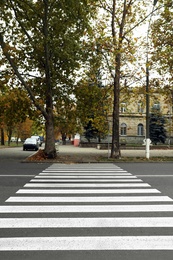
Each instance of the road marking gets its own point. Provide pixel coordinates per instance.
(8, 175)
(154, 175)
(81, 185)
(85, 181)
(90, 199)
(85, 208)
(84, 171)
(84, 177)
(87, 243)
(84, 191)
(85, 222)
(83, 174)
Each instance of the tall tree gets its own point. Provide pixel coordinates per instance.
(162, 35)
(119, 49)
(41, 41)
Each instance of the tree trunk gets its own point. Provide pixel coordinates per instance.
(63, 138)
(10, 131)
(2, 137)
(50, 150)
(115, 149)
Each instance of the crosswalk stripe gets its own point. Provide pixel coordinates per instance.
(85, 171)
(85, 181)
(86, 222)
(82, 166)
(92, 185)
(84, 174)
(87, 243)
(90, 199)
(95, 177)
(90, 191)
(85, 208)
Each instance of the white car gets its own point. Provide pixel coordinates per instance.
(30, 144)
(37, 137)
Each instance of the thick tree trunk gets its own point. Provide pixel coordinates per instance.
(2, 137)
(115, 149)
(50, 150)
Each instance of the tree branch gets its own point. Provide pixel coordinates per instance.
(19, 76)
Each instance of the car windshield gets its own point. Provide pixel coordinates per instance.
(30, 141)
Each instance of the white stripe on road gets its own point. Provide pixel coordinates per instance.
(90, 199)
(85, 177)
(84, 171)
(83, 191)
(85, 181)
(16, 175)
(84, 174)
(81, 185)
(85, 222)
(85, 208)
(87, 243)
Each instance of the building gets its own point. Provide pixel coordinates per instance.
(133, 116)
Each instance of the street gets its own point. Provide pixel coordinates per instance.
(85, 211)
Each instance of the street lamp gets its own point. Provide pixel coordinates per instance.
(148, 141)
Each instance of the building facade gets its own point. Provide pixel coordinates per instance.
(133, 117)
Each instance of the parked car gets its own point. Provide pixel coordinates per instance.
(30, 144)
(37, 137)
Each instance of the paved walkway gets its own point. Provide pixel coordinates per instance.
(72, 150)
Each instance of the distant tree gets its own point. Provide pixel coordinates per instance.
(15, 108)
(90, 131)
(157, 129)
(92, 108)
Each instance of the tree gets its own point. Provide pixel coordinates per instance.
(15, 108)
(156, 128)
(161, 36)
(92, 107)
(90, 132)
(41, 42)
(65, 115)
(119, 50)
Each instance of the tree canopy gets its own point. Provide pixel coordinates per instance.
(42, 42)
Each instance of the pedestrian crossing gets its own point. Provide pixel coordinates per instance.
(83, 207)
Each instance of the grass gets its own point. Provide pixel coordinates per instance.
(137, 159)
(12, 144)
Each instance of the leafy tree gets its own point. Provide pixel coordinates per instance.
(90, 131)
(41, 39)
(162, 35)
(92, 107)
(156, 128)
(65, 115)
(119, 45)
(15, 108)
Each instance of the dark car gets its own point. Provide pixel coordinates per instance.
(30, 144)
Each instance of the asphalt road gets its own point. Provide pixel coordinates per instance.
(14, 175)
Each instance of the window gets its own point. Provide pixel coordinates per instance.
(123, 129)
(123, 107)
(156, 106)
(140, 129)
(140, 107)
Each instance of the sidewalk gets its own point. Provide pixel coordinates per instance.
(82, 154)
